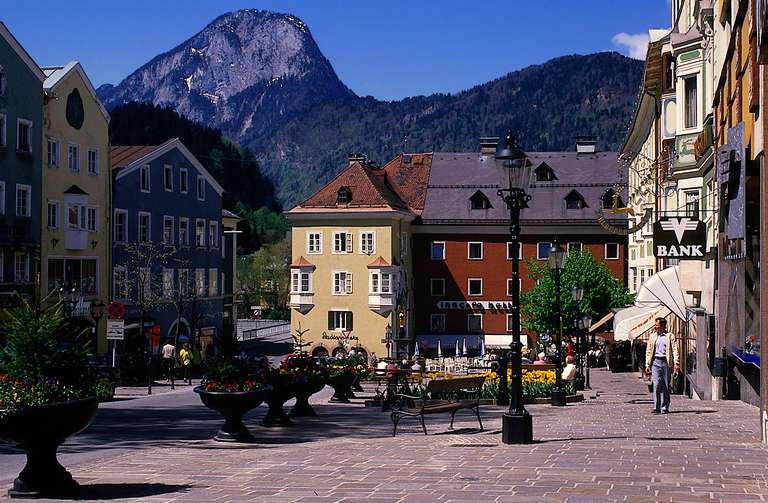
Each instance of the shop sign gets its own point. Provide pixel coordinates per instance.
(339, 337)
(478, 305)
(683, 238)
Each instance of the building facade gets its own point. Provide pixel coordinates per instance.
(21, 125)
(167, 243)
(75, 203)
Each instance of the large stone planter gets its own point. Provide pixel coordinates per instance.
(309, 387)
(341, 384)
(40, 431)
(282, 391)
(233, 406)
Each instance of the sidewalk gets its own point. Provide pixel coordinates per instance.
(158, 388)
(605, 449)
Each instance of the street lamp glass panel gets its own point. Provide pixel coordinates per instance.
(556, 257)
(512, 159)
(586, 321)
(577, 292)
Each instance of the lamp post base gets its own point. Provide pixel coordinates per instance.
(517, 428)
(558, 397)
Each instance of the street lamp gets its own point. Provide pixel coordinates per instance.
(517, 423)
(388, 339)
(556, 264)
(577, 293)
(584, 323)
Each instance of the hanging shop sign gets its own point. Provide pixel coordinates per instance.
(683, 238)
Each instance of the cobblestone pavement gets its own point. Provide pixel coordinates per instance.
(608, 448)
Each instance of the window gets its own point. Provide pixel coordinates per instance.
(342, 242)
(519, 250)
(183, 180)
(314, 242)
(510, 283)
(437, 323)
(93, 161)
(344, 196)
(81, 272)
(168, 177)
(24, 135)
(475, 250)
(612, 251)
(200, 282)
(200, 232)
(53, 214)
(509, 323)
(3, 130)
(475, 286)
(691, 102)
(53, 153)
(200, 188)
(611, 199)
(544, 173)
(23, 200)
(692, 204)
(367, 243)
(213, 282)
(574, 247)
(2, 198)
(91, 219)
(73, 157)
(21, 267)
(144, 179)
(438, 250)
(575, 201)
(168, 278)
(73, 216)
(213, 234)
(145, 231)
(168, 230)
(121, 226)
(437, 287)
(119, 283)
(542, 251)
(339, 320)
(474, 322)
(306, 282)
(301, 282)
(342, 282)
(183, 231)
(380, 282)
(479, 201)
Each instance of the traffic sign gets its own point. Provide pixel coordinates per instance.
(115, 330)
(115, 310)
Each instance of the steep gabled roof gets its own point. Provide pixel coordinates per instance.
(408, 175)
(6, 34)
(302, 262)
(55, 75)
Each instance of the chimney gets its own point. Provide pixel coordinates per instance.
(586, 144)
(357, 157)
(488, 145)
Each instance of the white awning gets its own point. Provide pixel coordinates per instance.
(634, 321)
(502, 341)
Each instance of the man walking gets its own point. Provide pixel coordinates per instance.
(661, 356)
(169, 360)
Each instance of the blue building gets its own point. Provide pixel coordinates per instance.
(21, 165)
(167, 248)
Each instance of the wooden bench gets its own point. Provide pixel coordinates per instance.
(405, 406)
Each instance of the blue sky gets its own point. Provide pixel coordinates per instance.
(389, 49)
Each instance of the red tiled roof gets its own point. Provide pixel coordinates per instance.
(123, 156)
(302, 262)
(380, 262)
(408, 175)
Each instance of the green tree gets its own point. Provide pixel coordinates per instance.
(602, 292)
(264, 276)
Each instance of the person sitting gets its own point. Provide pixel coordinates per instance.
(540, 360)
(569, 371)
(405, 365)
(416, 367)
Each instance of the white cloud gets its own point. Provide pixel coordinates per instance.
(635, 45)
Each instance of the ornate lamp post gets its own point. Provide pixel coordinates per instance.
(577, 293)
(584, 323)
(517, 423)
(556, 264)
(388, 339)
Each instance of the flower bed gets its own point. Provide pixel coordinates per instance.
(536, 384)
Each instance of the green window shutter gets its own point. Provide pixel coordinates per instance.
(350, 322)
(330, 320)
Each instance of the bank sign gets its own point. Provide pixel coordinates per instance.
(683, 238)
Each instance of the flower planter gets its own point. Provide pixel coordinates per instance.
(40, 431)
(233, 406)
(341, 383)
(306, 389)
(276, 416)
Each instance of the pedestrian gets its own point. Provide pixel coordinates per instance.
(169, 359)
(185, 358)
(661, 357)
(541, 360)
(569, 371)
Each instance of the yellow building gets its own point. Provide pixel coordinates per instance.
(75, 238)
(350, 272)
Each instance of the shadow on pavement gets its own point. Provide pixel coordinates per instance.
(122, 491)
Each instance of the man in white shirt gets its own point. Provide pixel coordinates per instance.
(169, 358)
(661, 356)
(569, 371)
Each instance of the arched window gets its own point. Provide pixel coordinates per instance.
(544, 173)
(575, 201)
(480, 201)
(344, 196)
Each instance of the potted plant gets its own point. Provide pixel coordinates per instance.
(341, 375)
(284, 384)
(48, 392)
(311, 377)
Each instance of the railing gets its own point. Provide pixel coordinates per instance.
(267, 329)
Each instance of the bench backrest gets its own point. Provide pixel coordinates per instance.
(455, 384)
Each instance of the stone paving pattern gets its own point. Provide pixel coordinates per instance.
(607, 448)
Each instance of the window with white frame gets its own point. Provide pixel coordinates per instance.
(3, 130)
(339, 320)
(437, 323)
(510, 283)
(314, 243)
(437, 250)
(20, 267)
(91, 219)
(93, 161)
(200, 282)
(168, 278)
(691, 102)
(24, 135)
(23, 200)
(367, 243)
(611, 251)
(73, 157)
(542, 250)
(342, 282)
(183, 180)
(145, 227)
(519, 250)
(200, 188)
(437, 287)
(119, 283)
(574, 247)
(144, 185)
(475, 286)
(342, 242)
(168, 230)
(474, 322)
(183, 231)
(213, 234)
(509, 323)
(200, 232)
(213, 282)
(380, 282)
(53, 214)
(692, 204)
(168, 177)
(2, 198)
(475, 250)
(53, 153)
(301, 282)
(121, 226)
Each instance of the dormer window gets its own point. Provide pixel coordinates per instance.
(612, 200)
(480, 201)
(575, 201)
(344, 196)
(544, 173)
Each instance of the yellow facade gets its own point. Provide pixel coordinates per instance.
(371, 309)
(76, 237)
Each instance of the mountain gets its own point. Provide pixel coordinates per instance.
(246, 73)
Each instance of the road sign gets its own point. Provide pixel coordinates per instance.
(115, 330)
(115, 310)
